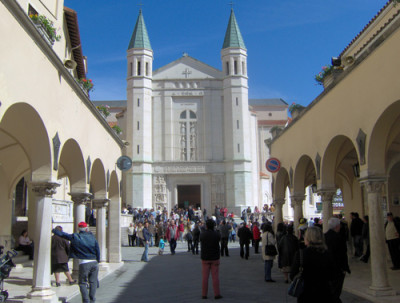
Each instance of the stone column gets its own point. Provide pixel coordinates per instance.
(278, 214)
(327, 209)
(79, 200)
(101, 207)
(297, 204)
(380, 281)
(41, 285)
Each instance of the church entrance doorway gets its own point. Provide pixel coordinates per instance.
(189, 195)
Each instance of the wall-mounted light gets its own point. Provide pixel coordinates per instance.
(356, 170)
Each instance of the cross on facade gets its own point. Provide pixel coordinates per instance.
(186, 72)
(231, 4)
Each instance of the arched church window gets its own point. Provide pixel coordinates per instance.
(147, 68)
(138, 68)
(188, 135)
(227, 68)
(235, 66)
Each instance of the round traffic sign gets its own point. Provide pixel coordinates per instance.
(124, 163)
(273, 165)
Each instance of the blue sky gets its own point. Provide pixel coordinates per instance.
(288, 41)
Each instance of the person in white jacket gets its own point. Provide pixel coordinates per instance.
(268, 237)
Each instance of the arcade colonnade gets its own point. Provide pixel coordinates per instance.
(50, 130)
(349, 138)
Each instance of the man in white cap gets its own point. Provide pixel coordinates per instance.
(84, 247)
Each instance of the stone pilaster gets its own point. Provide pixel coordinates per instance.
(41, 285)
(79, 199)
(380, 281)
(327, 209)
(297, 204)
(278, 214)
(101, 207)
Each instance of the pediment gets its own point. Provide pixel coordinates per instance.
(187, 68)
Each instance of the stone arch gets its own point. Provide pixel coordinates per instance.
(304, 174)
(281, 183)
(384, 135)
(25, 150)
(98, 182)
(72, 165)
(337, 172)
(335, 153)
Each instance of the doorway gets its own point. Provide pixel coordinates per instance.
(189, 195)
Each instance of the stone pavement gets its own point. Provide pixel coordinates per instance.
(177, 278)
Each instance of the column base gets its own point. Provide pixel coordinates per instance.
(43, 295)
(381, 291)
(103, 266)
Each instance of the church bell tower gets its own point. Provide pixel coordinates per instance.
(237, 149)
(139, 117)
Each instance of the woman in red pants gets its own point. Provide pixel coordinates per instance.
(210, 254)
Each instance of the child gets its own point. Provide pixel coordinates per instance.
(161, 246)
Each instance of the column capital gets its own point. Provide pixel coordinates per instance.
(373, 185)
(44, 189)
(80, 198)
(297, 200)
(99, 203)
(326, 195)
(279, 201)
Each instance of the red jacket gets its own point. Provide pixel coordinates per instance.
(168, 233)
(256, 233)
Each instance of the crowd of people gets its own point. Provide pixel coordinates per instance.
(323, 258)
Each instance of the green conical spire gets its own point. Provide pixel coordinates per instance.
(233, 37)
(140, 38)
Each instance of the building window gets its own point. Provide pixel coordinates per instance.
(138, 68)
(138, 102)
(188, 135)
(130, 72)
(147, 68)
(243, 69)
(138, 125)
(237, 101)
(138, 149)
(237, 124)
(270, 114)
(235, 67)
(227, 68)
(238, 148)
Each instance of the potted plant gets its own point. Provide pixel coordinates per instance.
(322, 77)
(46, 28)
(275, 131)
(86, 84)
(117, 129)
(295, 109)
(104, 110)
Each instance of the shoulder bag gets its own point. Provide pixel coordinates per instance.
(270, 250)
(296, 288)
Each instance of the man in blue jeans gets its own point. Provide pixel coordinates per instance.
(84, 247)
(146, 239)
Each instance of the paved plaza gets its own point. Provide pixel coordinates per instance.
(177, 278)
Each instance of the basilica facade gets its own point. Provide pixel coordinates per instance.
(193, 136)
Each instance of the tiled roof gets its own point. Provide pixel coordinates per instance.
(275, 101)
(112, 123)
(140, 38)
(71, 18)
(233, 37)
(366, 27)
(272, 122)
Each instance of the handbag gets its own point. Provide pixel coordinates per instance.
(270, 250)
(296, 288)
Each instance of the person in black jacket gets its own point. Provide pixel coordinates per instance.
(356, 233)
(287, 248)
(196, 239)
(210, 255)
(338, 250)
(317, 268)
(245, 236)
